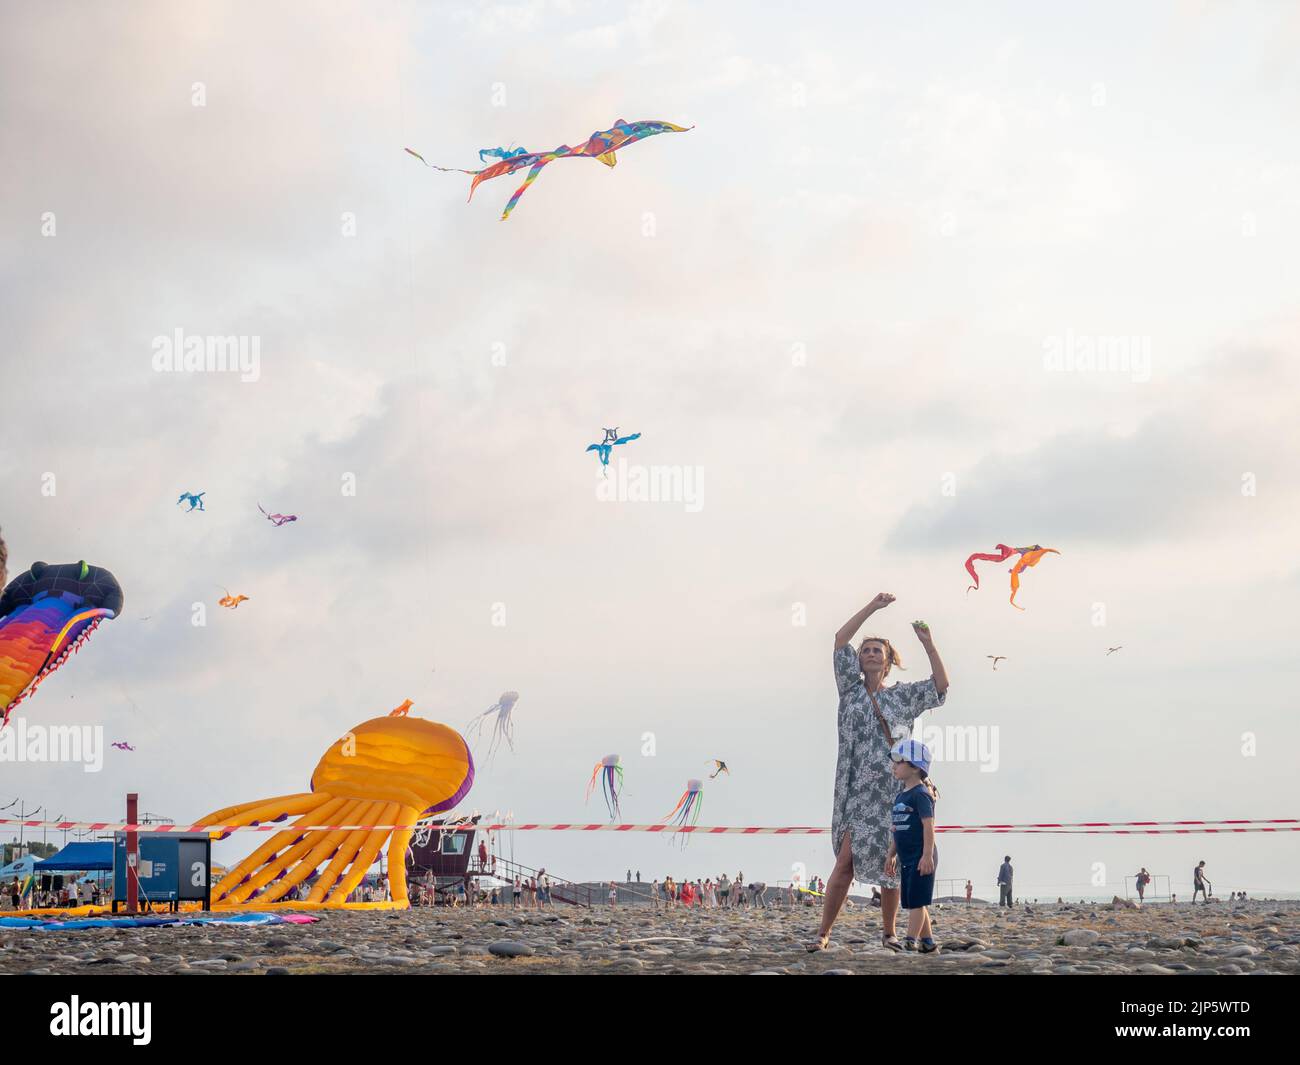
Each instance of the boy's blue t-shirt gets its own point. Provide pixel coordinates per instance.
(909, 835)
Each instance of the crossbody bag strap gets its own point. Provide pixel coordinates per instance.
(889, 736)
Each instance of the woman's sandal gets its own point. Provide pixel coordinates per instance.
(892, 943)
(822, 943)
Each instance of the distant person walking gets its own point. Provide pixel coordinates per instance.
(1200, 883)
(1004, 882)
(969, 890)
(1142, 879)
(613, 894)
(15, 894)
(724, 891)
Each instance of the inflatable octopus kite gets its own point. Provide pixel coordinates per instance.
(46, 614)
(600, 146)
(389, 771)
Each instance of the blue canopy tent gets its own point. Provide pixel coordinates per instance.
(80, 857)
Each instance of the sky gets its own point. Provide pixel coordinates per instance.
(850, 310)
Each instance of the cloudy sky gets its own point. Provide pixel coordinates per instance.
(840, 302)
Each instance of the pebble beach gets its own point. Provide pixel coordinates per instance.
(1251, 938)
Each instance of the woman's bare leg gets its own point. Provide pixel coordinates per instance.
(837, 887)
(889, 908)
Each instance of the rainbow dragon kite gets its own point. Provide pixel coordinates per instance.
(1029, 556)
(601, 146)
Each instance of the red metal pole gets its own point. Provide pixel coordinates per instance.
(132, 854)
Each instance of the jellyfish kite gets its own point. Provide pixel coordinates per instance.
(502, 726)
(687, 810)
(600, 146)
(47, 614)
(610, 772)
(1029, 557)
(388, 771)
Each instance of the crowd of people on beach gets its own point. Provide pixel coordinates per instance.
(723, 893)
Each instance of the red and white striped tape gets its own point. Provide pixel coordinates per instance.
(1080, 828)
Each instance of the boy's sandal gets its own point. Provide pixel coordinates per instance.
(932, 948)
(821, 944)
(891, 943)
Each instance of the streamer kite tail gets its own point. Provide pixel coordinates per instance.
(1005, 553)
(1029, 557)
(613, 785)
(533, 173)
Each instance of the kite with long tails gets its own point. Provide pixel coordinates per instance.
(612, 440)
(601, 146)
(1029, 557)
(609, 770)
(502, 726)
(688, 808)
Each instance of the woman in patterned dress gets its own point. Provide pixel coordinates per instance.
(872, 718)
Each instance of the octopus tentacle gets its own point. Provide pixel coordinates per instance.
(369, 851)
(397, 854)
(325, 807)
(347, 852)
(318, 847)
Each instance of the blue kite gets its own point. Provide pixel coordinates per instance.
(612, 439)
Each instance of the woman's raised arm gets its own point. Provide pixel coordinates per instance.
(922, 631)
(850, 628)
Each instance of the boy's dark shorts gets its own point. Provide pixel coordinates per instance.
(916, 890)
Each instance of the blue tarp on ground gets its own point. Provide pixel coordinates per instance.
(79, 857)
(142, 922)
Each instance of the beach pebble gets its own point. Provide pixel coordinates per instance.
(1080, 937)
(506, 948)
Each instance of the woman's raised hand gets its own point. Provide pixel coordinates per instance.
(923, 634)
(881, 601)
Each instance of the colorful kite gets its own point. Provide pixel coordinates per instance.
(610, 771)
(600, 146)
(719, 767)
(502, 726)
(232, 601)
(196, 501)
(688, 807)
(401, 711)
(122, 746)
(46, 614)
(612, 440)
(278, 519)
(1029, 556)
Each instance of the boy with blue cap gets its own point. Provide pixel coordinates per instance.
(913, 844)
